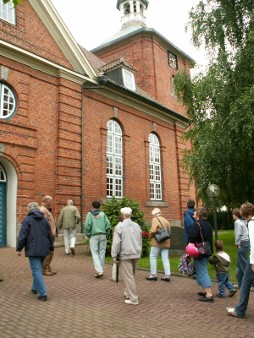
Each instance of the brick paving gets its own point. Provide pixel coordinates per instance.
(81, 306)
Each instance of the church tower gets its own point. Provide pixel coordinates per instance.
(132, 12)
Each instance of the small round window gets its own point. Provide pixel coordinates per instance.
(8, 102)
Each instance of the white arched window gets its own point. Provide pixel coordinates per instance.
(8, 102)
(114, 160)
(155, 168)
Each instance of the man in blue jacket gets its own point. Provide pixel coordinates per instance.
(35, 236)
(188, 219)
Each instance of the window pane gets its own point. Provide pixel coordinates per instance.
(110, 144)
(7, 101)
(172, 60)
(114, 160)
(7, 12)
(128, 79)
(155, 168)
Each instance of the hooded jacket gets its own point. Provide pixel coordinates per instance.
(35, 235)
(221, 261)
(97, 223)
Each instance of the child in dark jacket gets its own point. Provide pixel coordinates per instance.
(221, 262)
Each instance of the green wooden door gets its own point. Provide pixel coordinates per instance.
(2, 214)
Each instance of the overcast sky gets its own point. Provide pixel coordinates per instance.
(91, 22)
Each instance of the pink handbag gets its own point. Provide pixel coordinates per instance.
(191, 250)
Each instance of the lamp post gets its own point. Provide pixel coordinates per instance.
(213, 191)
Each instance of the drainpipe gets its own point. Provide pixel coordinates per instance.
(81, 162)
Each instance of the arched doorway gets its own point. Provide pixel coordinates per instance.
(3, 206)
(8, 204)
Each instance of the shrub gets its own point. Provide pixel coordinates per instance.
(112, 210)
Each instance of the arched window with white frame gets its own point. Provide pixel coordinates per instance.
(114, 160)
(155, 168)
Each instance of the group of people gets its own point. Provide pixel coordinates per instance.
(198, 229)
(39, 230)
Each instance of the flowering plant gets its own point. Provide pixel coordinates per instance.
(146, 243)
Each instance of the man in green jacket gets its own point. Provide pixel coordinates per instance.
(68, 220)
(97, 229)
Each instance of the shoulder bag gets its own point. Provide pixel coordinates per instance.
(162, 234)
(204, 247)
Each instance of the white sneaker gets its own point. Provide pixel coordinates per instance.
(231, 311)
(128, 301)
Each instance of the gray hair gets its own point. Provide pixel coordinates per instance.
(33, 206)
(47, 197)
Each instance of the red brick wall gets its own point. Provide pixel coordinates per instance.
(31, 34)
(136, 127)
(149, 57)
(43, 138)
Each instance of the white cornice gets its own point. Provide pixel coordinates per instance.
(36, 62)
(60, 33)
(144, 107)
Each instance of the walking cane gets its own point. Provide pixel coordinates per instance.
(117, 265)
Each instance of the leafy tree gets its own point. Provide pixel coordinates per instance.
(15, 2)
(220, 101)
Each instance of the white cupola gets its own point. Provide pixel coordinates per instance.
(132, 12)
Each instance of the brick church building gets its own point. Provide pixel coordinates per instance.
(88, 125)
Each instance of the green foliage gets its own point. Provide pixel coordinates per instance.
(220, 101)
(15, 2)
(224, 220)
(112, 210)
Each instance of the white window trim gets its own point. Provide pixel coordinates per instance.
(10, 10)
(114, 179)
(11, 93)
(155, 182)
(129, 79)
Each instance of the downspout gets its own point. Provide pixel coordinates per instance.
(81, 161)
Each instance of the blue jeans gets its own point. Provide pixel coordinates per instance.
(98, 249)
(247, 281)
(223, 282)
(38, 281)
(202, 277)
(242, 261)
(165, 260)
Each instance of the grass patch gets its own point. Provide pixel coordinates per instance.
(227, 236)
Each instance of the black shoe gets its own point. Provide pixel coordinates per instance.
(165, 279)
(202, 294)
(219, 295)
(151, 278)
(34, 291)
(231, 294)
(44, 298)
(206, 299)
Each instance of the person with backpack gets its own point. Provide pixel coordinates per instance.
(221, 262)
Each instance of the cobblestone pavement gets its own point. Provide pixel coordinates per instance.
(81, 306)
